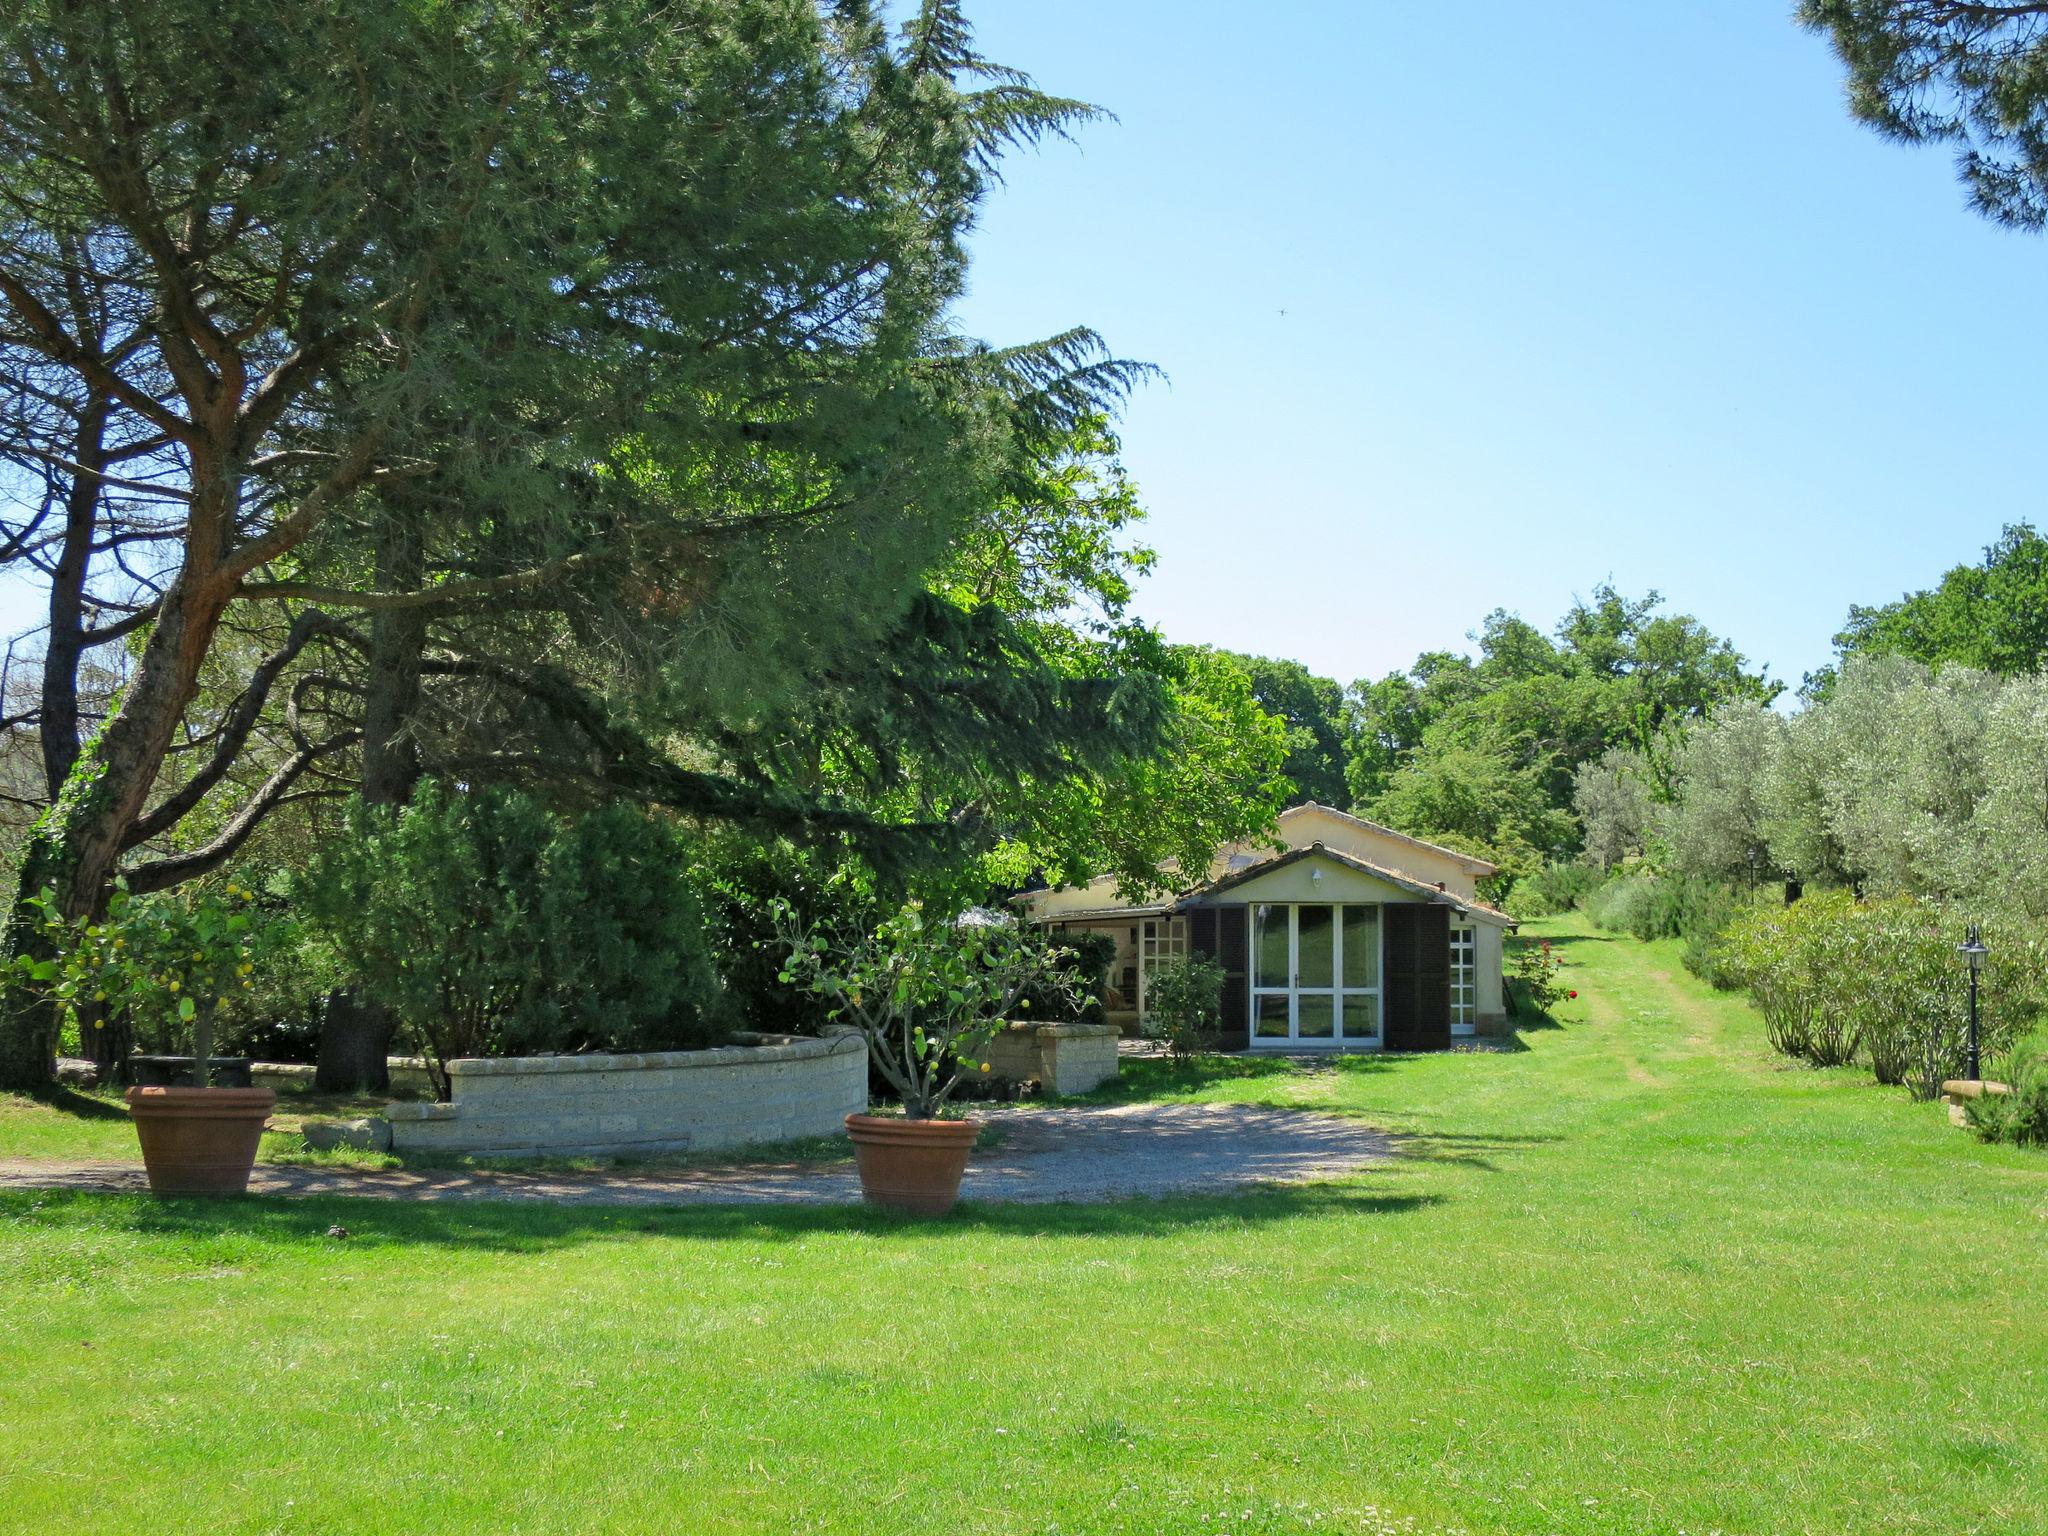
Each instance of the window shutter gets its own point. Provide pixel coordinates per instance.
(1418, 979)
(1219, 932)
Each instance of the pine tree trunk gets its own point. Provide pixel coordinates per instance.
(355, 1033)
(355, 1044)
(73, 850)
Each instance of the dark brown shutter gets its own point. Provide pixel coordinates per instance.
(1219, 932)
(1418, 981)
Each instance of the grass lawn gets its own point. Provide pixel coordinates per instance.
(1640, 1277)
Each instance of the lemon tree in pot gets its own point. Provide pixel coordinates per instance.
(167, 961)
(927, 994)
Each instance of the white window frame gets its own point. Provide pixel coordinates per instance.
(1160, 940)
(1337, 991)
(1464, 980)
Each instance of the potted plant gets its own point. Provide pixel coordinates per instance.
(167, 961)
(926, 994)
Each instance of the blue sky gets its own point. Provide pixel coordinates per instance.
(1464, 306)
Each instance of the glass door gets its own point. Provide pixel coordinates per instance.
(1315, 974)
(1272, 972)
(1359, 994)
(1159, 942)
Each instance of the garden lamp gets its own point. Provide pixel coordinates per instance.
(1973, 951)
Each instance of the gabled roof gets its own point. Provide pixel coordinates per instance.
(1393, 877)
(1469, 862)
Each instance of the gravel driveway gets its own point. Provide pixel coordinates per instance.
(1079, 1155)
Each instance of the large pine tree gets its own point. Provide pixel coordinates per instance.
(457, 338)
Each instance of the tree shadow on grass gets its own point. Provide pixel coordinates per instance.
(1151, 1077)
(86, 1106)
(516, 1228)
(1465, 1151)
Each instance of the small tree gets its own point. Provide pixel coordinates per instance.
(162, 964)
(1184, 1004)
(926, 993)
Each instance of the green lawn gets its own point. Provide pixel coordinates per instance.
(1640, 1277)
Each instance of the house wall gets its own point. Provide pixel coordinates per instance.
(1492, 1008)
(1319, 824)
(1298, 882)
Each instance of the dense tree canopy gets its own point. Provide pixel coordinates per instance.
(1313, 708)
(1483, 753)
(1992, 615)
(1904, 779)
(522, 426)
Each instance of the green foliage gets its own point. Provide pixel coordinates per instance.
(166, 962)
(1992, 616)
(637, 322)
(1485, 754)
(1314, 710)
(1903, 780)
(1612, 797)
(1836, 978)
(1954, 72)
(1652, 906)
(1214, 779)
(1554, 888)
(1537, 971)
(1184, 1004)
(1075, 995)
(2021, 1116)
(492, 927)
(1053, 546)
(1721, 814)
(927, 993)
(1476, 796)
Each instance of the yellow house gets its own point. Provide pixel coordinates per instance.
(1349, 935)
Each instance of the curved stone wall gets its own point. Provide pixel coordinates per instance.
(769, 1088)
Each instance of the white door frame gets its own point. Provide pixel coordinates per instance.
(1336, 991)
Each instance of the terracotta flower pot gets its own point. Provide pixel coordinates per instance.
(199, 1141)
(911, 1165)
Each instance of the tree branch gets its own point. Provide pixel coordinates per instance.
(233, 735)
(161, 874)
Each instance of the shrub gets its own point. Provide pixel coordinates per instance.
(1767, 947)
(492, 927)
(1554, 888)
(1835, 978)
(1536, 971)
(1652, 906)
(741, 880)
(1184, 1004)
(2019, 1117)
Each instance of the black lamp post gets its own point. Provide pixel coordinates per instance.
(1973, 952)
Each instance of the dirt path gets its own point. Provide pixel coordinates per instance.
(1079, 1155)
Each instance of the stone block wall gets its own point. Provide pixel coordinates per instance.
(665, 1101)
(1064, 1058)
(408, 1075)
